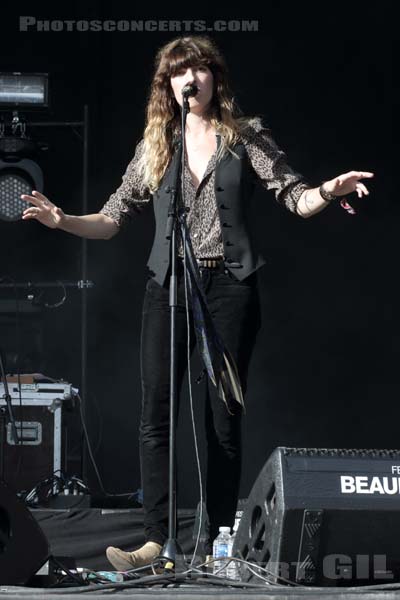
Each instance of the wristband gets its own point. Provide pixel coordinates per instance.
(327, 196)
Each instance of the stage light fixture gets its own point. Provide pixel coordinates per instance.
(23, 90)
(17, 176)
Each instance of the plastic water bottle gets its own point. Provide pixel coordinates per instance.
(233, 570)
(221, 547)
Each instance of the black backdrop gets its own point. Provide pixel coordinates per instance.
(324, 372)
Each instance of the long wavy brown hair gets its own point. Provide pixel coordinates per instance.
(163, 118)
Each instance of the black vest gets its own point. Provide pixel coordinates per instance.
(234, 186)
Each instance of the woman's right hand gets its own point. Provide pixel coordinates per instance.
(43, 210)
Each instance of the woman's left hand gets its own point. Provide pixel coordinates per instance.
(347, 183)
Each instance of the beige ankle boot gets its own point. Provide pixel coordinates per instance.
(124, 561)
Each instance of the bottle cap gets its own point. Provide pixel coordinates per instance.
(225, 529)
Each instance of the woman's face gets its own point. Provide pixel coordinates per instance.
(203, 78)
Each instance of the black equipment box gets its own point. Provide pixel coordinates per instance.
(323, 516)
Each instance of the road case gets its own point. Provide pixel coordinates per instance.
(44, 414)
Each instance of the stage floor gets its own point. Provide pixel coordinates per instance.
(201, 592)
(83, 534)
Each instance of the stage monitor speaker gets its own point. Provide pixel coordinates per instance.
(23, 545)
(328, 517)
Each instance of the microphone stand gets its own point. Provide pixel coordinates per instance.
(171, 551)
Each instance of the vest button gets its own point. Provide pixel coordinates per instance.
(225, 225)
(220, 189)
(223, 207)
(228, 243)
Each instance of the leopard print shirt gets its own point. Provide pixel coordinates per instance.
(268, 162)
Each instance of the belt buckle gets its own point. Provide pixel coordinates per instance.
(209, 263)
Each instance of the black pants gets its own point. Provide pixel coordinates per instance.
(235, 309)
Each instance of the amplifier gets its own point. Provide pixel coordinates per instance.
(321, 516)
(43, 415)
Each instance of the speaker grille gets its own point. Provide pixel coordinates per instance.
(355, 452)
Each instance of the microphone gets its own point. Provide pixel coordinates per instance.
(190, 89)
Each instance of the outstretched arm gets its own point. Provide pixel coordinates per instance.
(291, 189)
(129, 199)
(95, 226)
(311, 202)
